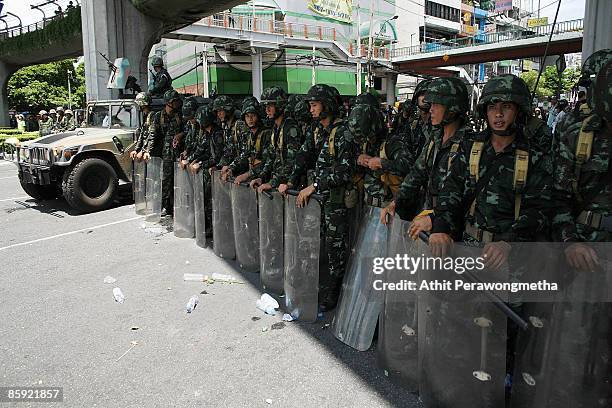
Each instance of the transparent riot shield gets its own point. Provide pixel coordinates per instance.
(199, 204)
(302, 259)
(563, 358)
(397, 344)
(246, 227)
(271, 241)
(184, 214)
(153, 195)
(462, 339)
(222, 218)
(139, 186)
(360, 303)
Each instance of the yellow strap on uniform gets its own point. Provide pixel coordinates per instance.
(332, 137)
(475, 155)
(521, 165)
(258, 142)
(429, 149)
(424, 213)
(383, 151)
(452, 154)
(583, 152)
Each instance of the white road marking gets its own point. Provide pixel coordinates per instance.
(71, 233)
(14, 198)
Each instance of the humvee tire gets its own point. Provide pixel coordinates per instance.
(38, 192)
(91, 185)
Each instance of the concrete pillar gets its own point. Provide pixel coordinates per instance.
(257, 73)
(391, 83)
(6, 70)
(597, 27)
(117, 29)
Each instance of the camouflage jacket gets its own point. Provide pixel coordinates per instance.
(336, 162)
(161, 134)
(416, 135)
(143, 132)
(251, 153)
(191, 139)
(45, 127)
(285, 142)
(591, 195)
(306, 156)
(67, 124)
(161, 84)
(538, 134)
(421, 186)
(209, 148)
(395, 160)
(494, 208)
(234, 133)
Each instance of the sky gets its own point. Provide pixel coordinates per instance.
(570, 9)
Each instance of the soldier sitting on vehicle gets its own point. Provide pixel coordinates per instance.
(162, 81)
(45, 123)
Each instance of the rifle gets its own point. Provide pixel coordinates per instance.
(111, 66)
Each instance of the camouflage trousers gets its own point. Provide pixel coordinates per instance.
(335, 232)
(168, 186)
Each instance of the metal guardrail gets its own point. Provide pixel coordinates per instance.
(490, 38)
(242, 22)
(14, 32)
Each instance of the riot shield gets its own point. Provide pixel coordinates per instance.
(223, 224)
(153, 195)
(184, 215)
(462, 340)
(563, 359)
(199, 204)
(246, 227)
(271, 230)
(397, 344)
(139, 185)
(302, 259)
(360, 304)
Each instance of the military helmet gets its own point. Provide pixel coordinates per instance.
(505, 88)
(59, 109)
(420, 89)
(205, 116)
(593, 64)
(43, 112)
(190, 106)
(52, 112)
(223, 102)
(157, 61)
(366, 98)
(143, 99)
(277, 96)
(450, 92)
(365, 120)
(251, 105)
(292, 102)
(324, 94)
(602, 94)
(301, 113)
(68, 112)
(170, 96)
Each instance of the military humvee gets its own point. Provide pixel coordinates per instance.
(86, 165)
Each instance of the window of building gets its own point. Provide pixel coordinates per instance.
(441, 11)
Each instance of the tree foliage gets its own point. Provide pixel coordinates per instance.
(46, 86)
(550, 81)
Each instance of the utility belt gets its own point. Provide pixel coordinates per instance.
(595, 220)
(484, 236)
(376, 201)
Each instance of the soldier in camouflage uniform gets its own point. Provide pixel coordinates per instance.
(583, 178)
(68, 122)
(162, 82)
(144, 102)
(192, 131)
(45, 123)
(419, 191)
(335, 166)
(414, 123)
(248, 164)
(285, 141)
(499, 186)
(301, 113)
(233, 132)
(384, 160)
(164, 140)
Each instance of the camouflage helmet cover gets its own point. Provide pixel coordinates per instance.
(420, 89)
(190, 106)
(143, 99)
(365, 121)
(593, 64)
(301, 113)
(505, 88)
(157, 61)
(277, 96)
(602, 95)
(324, 94)
(205, 116)
(366, 98)
(450, 92)
(292, 103)
(170, 96)
(223, 102)
(250, 105)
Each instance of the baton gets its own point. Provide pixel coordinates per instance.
(497, 301)
(320, 198)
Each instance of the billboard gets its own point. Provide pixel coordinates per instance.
(503, 5)
(339, 10)
(537, 22)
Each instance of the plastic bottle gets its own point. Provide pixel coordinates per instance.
(223, 278)
(193, 302)
(119, 298)
(193, 277)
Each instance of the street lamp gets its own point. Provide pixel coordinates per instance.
(370, 45)
(69, 72)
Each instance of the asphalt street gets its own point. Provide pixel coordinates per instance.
(60, 325)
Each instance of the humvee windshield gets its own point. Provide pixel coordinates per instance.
(121, 115)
